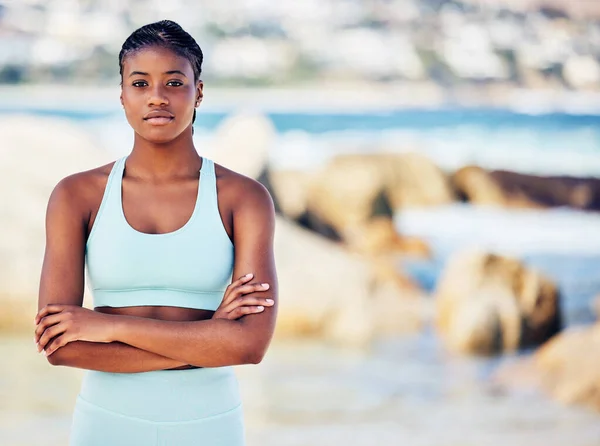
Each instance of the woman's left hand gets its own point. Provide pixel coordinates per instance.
(57, 325)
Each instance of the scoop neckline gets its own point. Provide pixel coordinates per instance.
(163, 234)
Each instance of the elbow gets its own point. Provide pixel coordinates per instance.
(254, 355)
(54, 359)
(255, 358)
(57, 358)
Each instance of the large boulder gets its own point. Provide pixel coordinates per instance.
(326, 291)
(289, 189)
(552, 191)
(242, 143)
(354, 197)
(354, 187)
(415, 181)
(35, 154)
(511, 189)
(569, 366)
(488, 304)
(378, 235)
(344, 193)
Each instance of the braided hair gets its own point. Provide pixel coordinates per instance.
(165, 34)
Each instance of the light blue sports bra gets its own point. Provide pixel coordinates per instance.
(189, 267)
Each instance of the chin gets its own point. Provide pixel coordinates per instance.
(160, 136)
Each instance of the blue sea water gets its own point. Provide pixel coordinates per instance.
(419, 381)
(544, 143)
(562, 243)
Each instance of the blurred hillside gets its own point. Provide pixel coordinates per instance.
(449, 43)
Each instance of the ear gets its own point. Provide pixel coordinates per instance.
(199, 92)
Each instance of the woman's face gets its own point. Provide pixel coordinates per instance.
(159, 93)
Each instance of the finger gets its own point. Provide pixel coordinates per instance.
(57, 343)
(50, 333)
(250, 288)
(46, 322)
(241, 280)
(242, 311)
(235, 284)
(247, 301)
(48, 309)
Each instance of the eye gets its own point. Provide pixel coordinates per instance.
(175, 83)
(139, 83)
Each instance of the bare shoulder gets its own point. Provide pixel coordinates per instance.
(82, 191)
(240, 191)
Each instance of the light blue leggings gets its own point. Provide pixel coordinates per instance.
(166, 408)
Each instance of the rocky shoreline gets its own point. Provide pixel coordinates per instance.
(336, 246)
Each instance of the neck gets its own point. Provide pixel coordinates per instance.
(164, 160)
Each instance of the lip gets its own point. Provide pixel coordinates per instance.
(158, 117)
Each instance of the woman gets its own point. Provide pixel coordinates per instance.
(162, 232)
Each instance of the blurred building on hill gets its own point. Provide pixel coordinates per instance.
(521, 43)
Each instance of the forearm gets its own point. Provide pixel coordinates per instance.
(110, 357)
(206, 343)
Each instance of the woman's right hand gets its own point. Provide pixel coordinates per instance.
(236, 304)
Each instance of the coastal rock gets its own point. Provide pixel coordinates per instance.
(242, 143)
(479, 187)
(552, 191)
(569, 366)
(289, 189)
(338, 299)
(354, 188)
(35, 154)
(488, 304)
(315, 299)
(379, 235)
(413, 180)
(344, 192)
(512, 189)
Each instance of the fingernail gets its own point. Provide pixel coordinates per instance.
(265, 285)
(269, 301)
(248, 275)
(43, 352)
(260, 308)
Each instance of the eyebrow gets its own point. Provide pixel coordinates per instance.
(141, 73)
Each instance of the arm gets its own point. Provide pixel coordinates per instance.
(219, 342)
(113, 357)
(62, 282)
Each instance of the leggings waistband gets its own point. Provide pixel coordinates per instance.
(164, 395)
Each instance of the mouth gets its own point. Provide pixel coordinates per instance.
(158, 117)
(159, 120)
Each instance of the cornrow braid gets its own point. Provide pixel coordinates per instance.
(164, 34)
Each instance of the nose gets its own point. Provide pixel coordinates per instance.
(157, 96)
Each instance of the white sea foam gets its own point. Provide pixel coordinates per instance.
(511, 232)
(565, 152)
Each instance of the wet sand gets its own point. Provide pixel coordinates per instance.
(304, 393)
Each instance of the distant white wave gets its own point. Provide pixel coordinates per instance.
(505, 231)
(560, 152)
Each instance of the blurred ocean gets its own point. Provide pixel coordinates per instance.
(561, 242)
(537, 143)
(408, 390)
